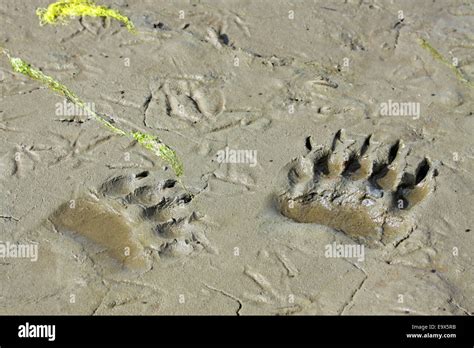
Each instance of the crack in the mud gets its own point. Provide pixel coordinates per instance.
(464, 310)
(146, 105)
(354, 293)
(239, 302)
(10, 218)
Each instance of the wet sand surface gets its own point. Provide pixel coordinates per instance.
(265, 84)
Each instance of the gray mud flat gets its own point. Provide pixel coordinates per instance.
(278, 211)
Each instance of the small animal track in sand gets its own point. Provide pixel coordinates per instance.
(188, 99)
(135, 218)
(363, 189)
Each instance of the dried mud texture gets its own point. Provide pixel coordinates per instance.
(359, 189)
(133, 217)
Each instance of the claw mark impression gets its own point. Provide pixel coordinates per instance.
(134, 216)
(363, 190)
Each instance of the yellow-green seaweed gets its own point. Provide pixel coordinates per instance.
(148, 141)
(59, 11)
(153, 144)
(439, 57)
